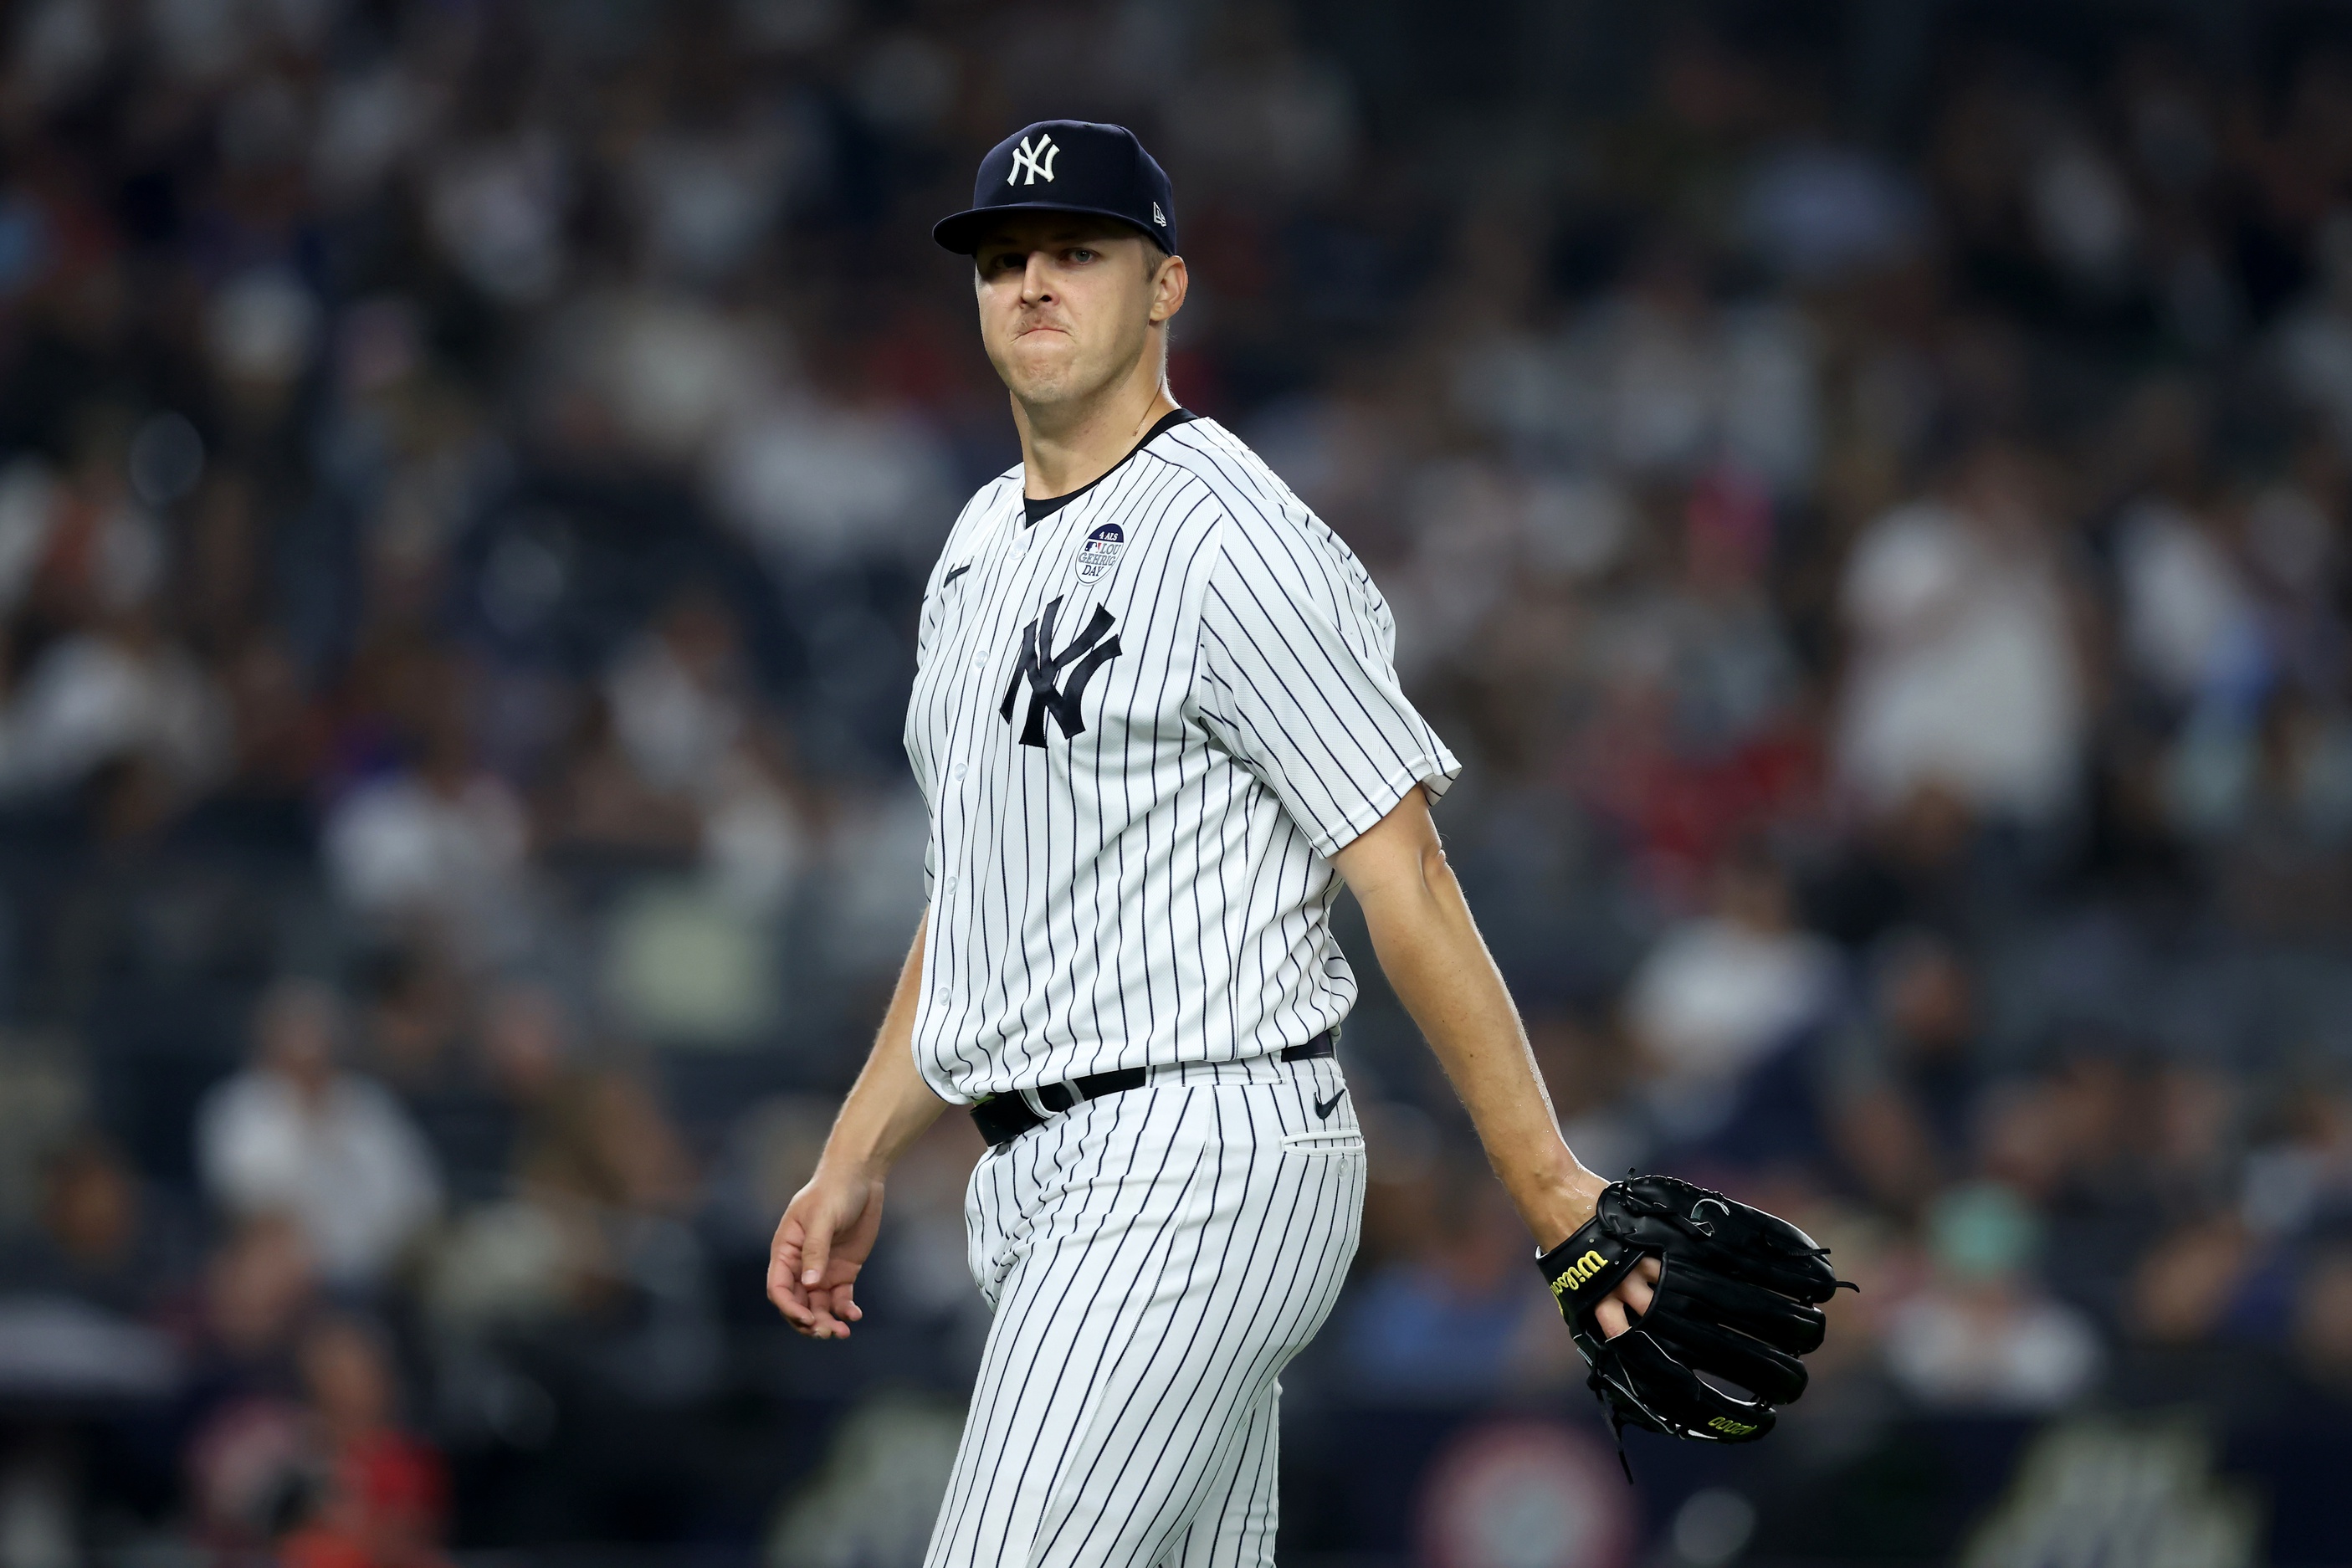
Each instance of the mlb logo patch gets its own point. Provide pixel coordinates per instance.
(1101, 552)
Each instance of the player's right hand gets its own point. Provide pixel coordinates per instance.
(821, 1243)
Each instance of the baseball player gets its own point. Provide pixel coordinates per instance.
(1156, 725)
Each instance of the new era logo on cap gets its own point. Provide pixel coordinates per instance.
(1066, 165)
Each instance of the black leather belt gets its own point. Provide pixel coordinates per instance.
(1001, 1118)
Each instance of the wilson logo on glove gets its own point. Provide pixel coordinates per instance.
(1578, 1272)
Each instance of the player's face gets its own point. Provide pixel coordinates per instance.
(1068, 305)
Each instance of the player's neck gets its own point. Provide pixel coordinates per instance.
(1063, 449)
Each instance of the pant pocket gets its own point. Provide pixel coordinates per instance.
(1319, 1144)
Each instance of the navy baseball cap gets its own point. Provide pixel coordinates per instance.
(1067, 166)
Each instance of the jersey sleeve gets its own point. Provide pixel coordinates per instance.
(956, 550)
(927, 619)
(1296, 677)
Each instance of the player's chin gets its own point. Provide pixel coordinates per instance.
(1037, 390)
(1042, 367)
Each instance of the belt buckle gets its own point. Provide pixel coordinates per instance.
(1035, 1099)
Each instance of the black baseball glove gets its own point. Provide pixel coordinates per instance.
(1739, 1296)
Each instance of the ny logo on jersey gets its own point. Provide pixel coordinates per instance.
(1037, 160)
(1041, 667)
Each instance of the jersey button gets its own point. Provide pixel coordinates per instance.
(956, 771)
(952, 884)
(940, 996)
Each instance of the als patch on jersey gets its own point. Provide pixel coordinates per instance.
(1101, 552)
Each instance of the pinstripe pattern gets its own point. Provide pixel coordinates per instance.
(1154, 1258)
(1154, 885)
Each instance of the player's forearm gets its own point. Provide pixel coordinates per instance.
(1434, 957)
(1430, 949)
(890, 1105)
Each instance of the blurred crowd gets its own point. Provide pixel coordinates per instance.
(1865, 490)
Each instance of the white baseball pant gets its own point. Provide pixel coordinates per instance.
(1154, 1259)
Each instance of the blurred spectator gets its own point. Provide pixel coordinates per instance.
(1681, 382)
(247, 1448)
(1904, 1083)
(436, 850)
(1982, 1335)
(1919, 866)
(686, 715)
(104, 1239)
(295, 1133)
(2301, 1177)
(532, 1247)
(484, 1078)
(2323, 1320)
(256, 1288)
(593, 1239)
(2314, 341)
(600, 802)
(81, 1299)
(2186, 1285)
(1964, 670)
(410, 1022)
(601, 1138)
(116, 693)
(1719, 995)
(2208, 1276)
(820, 484)
(2189, 624)
(280, 739)
(2269, 789)
(383, 1499)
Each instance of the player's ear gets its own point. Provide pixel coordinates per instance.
(1168, 282)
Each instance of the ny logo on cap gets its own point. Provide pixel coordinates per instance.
(1038, 161)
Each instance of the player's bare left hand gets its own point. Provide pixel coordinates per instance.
(821, 1243)
(1615, 1312)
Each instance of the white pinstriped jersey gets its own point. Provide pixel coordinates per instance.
(1142, 725)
